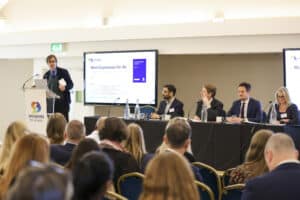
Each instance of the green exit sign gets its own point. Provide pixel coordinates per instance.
(56, 47)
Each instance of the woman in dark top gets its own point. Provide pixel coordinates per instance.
(112, 135)
(287, 112)
(214, 106)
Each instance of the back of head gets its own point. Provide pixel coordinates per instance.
(114, 129)
(92, 176)
(280, 147)
(135, 142)
(178, 132)
(41, 184)
(14, 132)
(56, 127)
(100, 123)
(75, 130)
(86, 145)
(176, 182)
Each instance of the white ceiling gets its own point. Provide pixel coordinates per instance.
(28, 15)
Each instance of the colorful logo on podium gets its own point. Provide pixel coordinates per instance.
(36, 107)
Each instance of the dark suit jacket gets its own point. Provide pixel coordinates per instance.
(61, 154)
(292, 114)
(176, 108)
(215, 110)
(281, 183)
(254, 111)
(63, 73)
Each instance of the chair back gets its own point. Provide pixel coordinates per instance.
(205, 192)
(147, 110)
(130, 185)
(233, 192)
(113, 196)
(226, 177)
(210, 178)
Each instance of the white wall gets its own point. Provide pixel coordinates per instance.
(12, 106)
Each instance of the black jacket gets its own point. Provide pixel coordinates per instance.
(216, 109)
(61, 154)
(291, 112)
(175, 110)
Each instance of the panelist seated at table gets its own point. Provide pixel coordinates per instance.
(287, 112)
(170, 105)
(214, 106)
(246, 108)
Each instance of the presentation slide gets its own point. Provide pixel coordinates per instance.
(114, 77)
(292, 73)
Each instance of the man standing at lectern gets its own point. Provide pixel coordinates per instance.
(60, 82)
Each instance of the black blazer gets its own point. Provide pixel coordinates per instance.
(281, 183)
(254, 111)
(175, 110)
(215, 110)
(63, 73)
(291, 112)
(61, 154)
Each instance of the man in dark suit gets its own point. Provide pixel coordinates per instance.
(75, 132)
(214, 106)
(60, 82)
(283, 180)
(246, 108)
(170, 105)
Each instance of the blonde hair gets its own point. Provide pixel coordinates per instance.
(29, 147)
(55, 128)
(169, 177)
(135, 142)
(13, 133)
(284, 91)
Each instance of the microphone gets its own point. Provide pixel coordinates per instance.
(109, 109)
(190, 109)
(31, 77)
(267, 107)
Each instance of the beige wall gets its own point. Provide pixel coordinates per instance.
(190, 72)
(13, 74)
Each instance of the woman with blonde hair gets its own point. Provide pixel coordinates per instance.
(135, 144)
(287, 112)
(13, 133)
(30, 147)
(55, 128)
(169, 177)
(255, 164)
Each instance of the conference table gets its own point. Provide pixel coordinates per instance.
(220, 145)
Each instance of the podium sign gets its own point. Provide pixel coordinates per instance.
(36, 110)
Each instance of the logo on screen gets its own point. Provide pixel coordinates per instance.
(36, 107)
(139, 70)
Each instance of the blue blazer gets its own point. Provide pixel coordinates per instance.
(175, 110)
(254, 111)
(280, 184)
(61, 154)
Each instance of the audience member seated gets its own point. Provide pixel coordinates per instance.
(287, 112)
(13, 133)
(75, 132)
(246, 108)
(135, 144)
(255, 164)
(112, 135)
(55, 128)
(283, 180)
(169, 176)
(92, 176)
(213, 105)
(178, 138)
(42, 183)
(99, 125)
(86, 145)
(29, 147)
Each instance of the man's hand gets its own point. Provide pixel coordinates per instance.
(154, 116)
(62, 87)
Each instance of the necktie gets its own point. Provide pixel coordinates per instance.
(243, 110)
(53, 73)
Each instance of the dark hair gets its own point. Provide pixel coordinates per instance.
(50, 57)
(91, 174)
(211, 89)
(86, 145)
(41, 183)
(178, 132)
(56, 127)
(171, 88)
(114, 129)
(246, 85)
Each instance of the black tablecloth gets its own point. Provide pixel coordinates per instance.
(222, 146)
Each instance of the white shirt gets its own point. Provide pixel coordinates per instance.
(245, 108)
(95, 136)
(169, 103)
